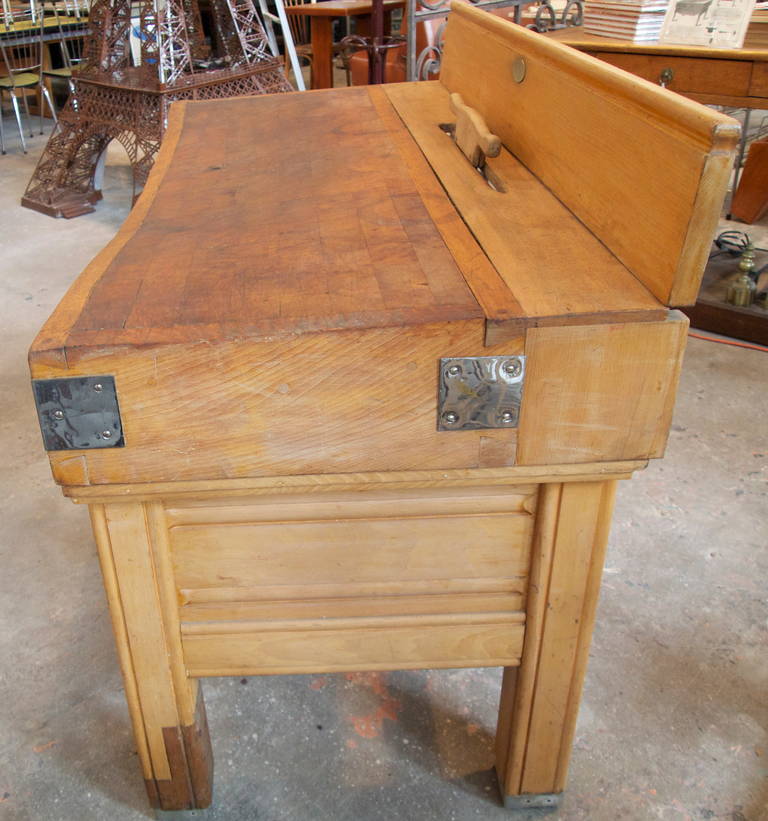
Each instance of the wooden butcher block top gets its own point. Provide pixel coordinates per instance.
(345, 228)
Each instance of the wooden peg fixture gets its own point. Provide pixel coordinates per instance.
(472, 135)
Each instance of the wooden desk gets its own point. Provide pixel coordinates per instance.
(322, 15)
(732, 77)
(275, 486)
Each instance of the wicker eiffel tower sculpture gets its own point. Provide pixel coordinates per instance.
(122, 91)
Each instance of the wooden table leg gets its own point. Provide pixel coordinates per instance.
(166, 707)
(540, 699)
(322, 52)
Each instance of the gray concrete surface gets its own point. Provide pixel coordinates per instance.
(675, 710)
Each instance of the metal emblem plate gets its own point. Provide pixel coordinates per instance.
(480, 392)
(78, 413)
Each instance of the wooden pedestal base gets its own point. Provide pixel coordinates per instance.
(495, 567)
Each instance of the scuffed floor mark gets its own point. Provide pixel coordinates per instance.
(43, 747)
(371, 724)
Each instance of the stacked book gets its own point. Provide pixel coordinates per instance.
(636, 20)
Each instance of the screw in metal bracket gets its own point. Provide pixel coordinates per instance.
(98, 387)
(454, 370)
(507, 417)
(106, 434)
(58, 414)
(512, 367)
(450, 418)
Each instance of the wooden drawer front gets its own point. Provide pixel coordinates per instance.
(758, 87)
(353, 582)
(729, 77)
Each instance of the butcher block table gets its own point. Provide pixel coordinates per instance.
(362, 406)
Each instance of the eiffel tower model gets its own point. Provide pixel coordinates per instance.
(123, 93)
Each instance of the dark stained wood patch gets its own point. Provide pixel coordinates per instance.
(190, 758)
(197, 743)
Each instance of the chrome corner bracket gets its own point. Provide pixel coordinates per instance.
(78, 413)
(480, 392)
(530, 801)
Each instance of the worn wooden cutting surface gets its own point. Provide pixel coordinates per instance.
(250, 234)
(242, 234)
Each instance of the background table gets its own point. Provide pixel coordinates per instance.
(732, 77)
(322, 15)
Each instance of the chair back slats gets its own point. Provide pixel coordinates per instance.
(21, 42)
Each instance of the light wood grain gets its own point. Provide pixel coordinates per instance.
(571, 598)
(182, 492)
(636, 187)
(608, 389)
(539, 704)
(166, 706)
(488, 287)
(304, 607)
(146, 634)
(471, 133)
(359, 551)
(120, 630)
(185, 691)
(587, 624)
(323, 593)
(519, 686)
(529, 236)
(338, 403)
(376, 502)
(384, 648)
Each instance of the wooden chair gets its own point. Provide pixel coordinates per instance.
(21, 46)
(70, 48)
(279, 17)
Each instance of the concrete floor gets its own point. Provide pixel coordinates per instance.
(674, 718)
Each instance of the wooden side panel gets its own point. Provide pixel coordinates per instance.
(389, 579)
(396, 647)
(392, 550)
(430, 550)
(606, 390)
(635, 186)
(320, 403)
